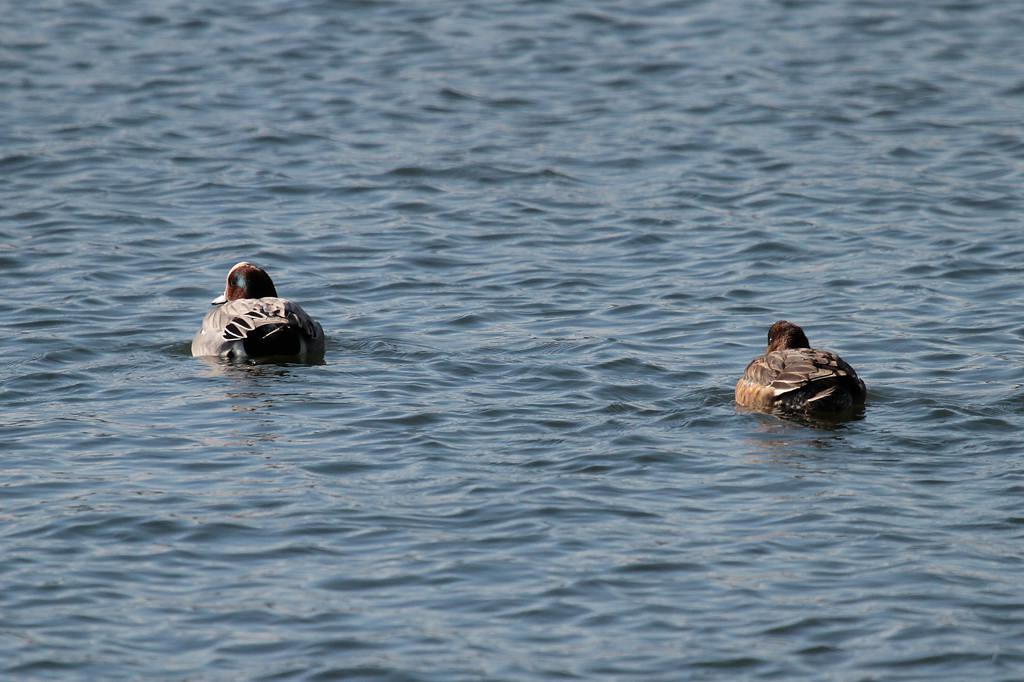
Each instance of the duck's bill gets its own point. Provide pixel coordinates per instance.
(220, 299)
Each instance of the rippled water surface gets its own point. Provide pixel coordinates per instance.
(544, 239)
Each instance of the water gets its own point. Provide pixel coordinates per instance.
(544, 239)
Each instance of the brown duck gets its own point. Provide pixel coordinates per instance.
(793, 377)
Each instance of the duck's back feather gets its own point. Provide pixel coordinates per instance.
(259, 327)
(805, 379)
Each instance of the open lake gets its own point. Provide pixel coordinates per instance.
(544, 239)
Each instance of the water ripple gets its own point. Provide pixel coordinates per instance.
(544, 240)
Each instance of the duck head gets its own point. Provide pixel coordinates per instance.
(246, 280)
(784, 335)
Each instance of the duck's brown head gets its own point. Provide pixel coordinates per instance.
(784, 335)
(246, 280)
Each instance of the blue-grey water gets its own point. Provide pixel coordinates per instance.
(544, 239)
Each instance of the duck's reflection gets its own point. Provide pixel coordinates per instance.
(789, 437)
(247, 370)
(251, 389)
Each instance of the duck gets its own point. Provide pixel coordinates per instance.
(793, 377)
(250, 321)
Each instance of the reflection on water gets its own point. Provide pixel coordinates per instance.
(786, 438)
(247, 369)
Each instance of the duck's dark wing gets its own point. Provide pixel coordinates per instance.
(801, 378)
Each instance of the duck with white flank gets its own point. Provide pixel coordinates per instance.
(250, 321)
(793, 377)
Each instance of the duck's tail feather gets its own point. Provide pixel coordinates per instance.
(274, 339)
